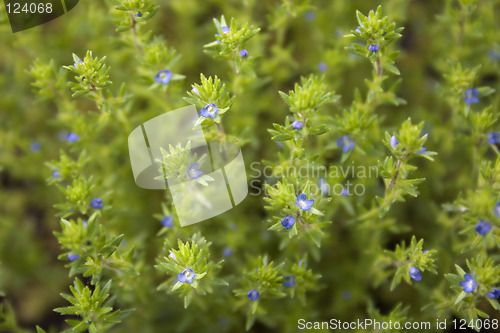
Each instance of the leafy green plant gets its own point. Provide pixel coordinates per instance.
(366, 133)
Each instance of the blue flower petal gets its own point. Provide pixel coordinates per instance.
(494, 294)
(163, 76)
(288, 221)
(72, 137)
(345, 143)
(219, 35)
(394, 142)
(227, 252)
(469, 284)
(168, 221)
(497, 209)
(210, 110)
(303, 203)
(482, 227)
(297, 124)
(35, 147)
(186, 275)
(55, 173)
(253, 295)
(289, 281)
(493, 137)
(423, 150)
(193, 171)
(73, 257)
(415, 274)
(471, 96)
(96, 203)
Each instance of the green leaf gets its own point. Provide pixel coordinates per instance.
(39, 329)
(187, 300)
(391, 68)
(460, 297)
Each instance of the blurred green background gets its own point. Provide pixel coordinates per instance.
(32, 278)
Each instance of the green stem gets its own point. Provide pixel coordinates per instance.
(394, 178)
(378, 67)
(135, 33)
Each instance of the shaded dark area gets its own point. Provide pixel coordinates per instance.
(32, 277)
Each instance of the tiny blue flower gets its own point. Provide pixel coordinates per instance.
(163, 76)
(289, 281)
(85, 224)
(345, 192)
(225, 29)
(167, 221)
(193, 171)
(373, 48)
(415, 274)
(139, 14)
(227, 252)
(73, 257)
(96, 203)
(195, 91)
(322, 67)
(493, 137)
(494, 294)
(482, 228)
(497, 209)
(186, 275)
(172, 255)
(279, 144)
(253, 295)
(210, 110)
(302, 261)
(494, 55)
(423, 150)
(35, 146)
(324, 186)
(72, 137)
(219, 35)
(345, 143)
(471, 96)
(358, 30)
(288, 221)
(243, 53)
(297, 124)
(469, 284)
(76, 64)
(89, 322)
(394, 142)
(303, 203)
(55, 173)
(310, 15)
(223, 321)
